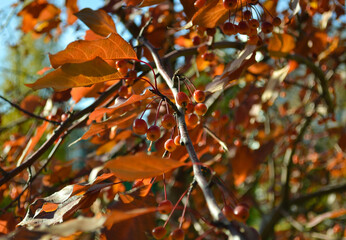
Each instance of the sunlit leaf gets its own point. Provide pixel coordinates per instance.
(281, 44)
(113, 47)
(72, 75)
(71, 8)
(98, 21)
(141, 165)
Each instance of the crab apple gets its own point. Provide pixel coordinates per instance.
(165, 206)
(123, 91)
(199, 96)
(196, 40)
(227, 210)
(228, 4)
(121, 64)
(131, 76)
(241, 212)
(208, 56)
(211, 31)
(159, 232)
(170, 145)
(191, 120)
(177, 234)
(153, 133)
(228, 28)
(182, 99)
(177, 140)
(201, 109)
(243, 27)
(247, 15)
(140, 126)
(189, 108)
(267, 27)
(168, 121)
(253, 40)
(253, 23)
(199, 3)
(276, 21)
(202, 49)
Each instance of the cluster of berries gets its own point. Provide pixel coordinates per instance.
(248, 25)
(168, 121)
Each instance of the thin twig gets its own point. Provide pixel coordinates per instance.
(28, 113)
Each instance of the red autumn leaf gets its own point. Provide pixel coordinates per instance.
(189, 8)
(113, 47)
(35, 139)
(71, 8)
(97, 128)
(98, 21)
(72, 75)
(141, 165)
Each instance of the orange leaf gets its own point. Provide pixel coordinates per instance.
(79, 92)
(281, 44)
(213, 13)
(141, 165)
(98, 21)
(49, 207)
(72, 75)
(31, 102)
(113, 47)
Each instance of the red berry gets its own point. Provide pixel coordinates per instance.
(201, 109)
(276, 21)
(139, 126)
(199, 96)
(228, 212)
(182, 99)
(159, 232)
(243, 27)
(267, 27)
(196, 40)
(241, 212)
(191, 120)
(123, 91)
(153, 133)
(165, 206)
(247, 15)
(170, 145)
(253, 40)
(199, 3)
(216, 114)
(177, 234)
(228, 4)
(168, 121)
(202, 49)
(228, 28)
(121, 64)
(189, 108)
(208, 56)
(131, 76)
(177, 140)
(253, 23)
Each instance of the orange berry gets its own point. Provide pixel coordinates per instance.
(196, 40)
(189, 108)
(165, 206)
(267, 27)
(208, 56)
(139, 126)
(182, 99)
(199, 96)
(211, 31)
(228, 212)
(253, 40)
(177, 234)
(202, 49)
(121, 64)
(276, 21)
(241, 212)
(170, 145)
(131, 76)
(216, 114)
(191, 120)
(177, 140)
(247, 15)
(153, 133)
(123, 91)
(243, 27)
(168, 121)
(201, 109)
(199, 3)
(159, 232)
(253, 23)
(228, 28)
(228, 4)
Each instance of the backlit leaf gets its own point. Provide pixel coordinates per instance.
(117, 216)
(98, 21)
(71, 8)
(141, 165)
(72, 75)
(281, 44)
(113, 47)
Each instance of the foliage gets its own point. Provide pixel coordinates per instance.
(209, 119)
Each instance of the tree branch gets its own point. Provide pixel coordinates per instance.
(186, 141)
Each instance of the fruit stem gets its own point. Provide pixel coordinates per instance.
(175, 206)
